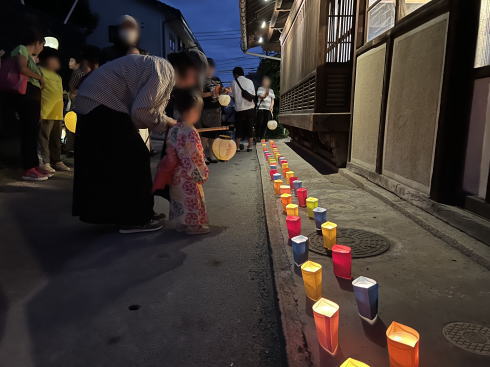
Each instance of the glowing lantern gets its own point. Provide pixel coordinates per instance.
(71, 121)
(329, 232)
(342, 261)
(285, 200)
(300, 250)
(326, 314)
(296, 185)
(291, 180)
(302, 193)
(292, 209)
(224, 148)
(351, 362)
(320, 215)
(51, 42)
(272, 124)
(277, 176)
(262, 141)
(277, 155)
(285, 189)
(272, 172)
(289, 174)
(311, 203)
(282, 159)
(285, 168)
(224, 100)
(277, 186)
(366, 292)
(403, 345)
(273, 166)
(312, 279)
(293, 224)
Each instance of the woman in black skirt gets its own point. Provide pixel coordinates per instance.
(265, 107)
(112, 183)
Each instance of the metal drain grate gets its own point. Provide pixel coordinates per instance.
(473, 338)
(363, 243)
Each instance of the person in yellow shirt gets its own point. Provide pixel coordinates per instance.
(51, 114)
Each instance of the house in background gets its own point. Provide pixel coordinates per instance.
(163, 28)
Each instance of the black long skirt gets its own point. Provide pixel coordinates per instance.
(112, 180)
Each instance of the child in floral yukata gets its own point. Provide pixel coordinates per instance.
(187, 206)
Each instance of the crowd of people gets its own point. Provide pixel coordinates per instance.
(119, 104)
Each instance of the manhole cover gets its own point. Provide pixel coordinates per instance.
(363, 243)
(473, 338)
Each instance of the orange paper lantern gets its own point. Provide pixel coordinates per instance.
(326, 314)
(277, 186)
(285, 200)
(285, 189)
(403, 345)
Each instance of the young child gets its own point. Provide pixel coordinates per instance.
(51, 114)
(187, 206)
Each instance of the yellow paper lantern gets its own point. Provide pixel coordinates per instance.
(277, 186)
(289, 174)
(285, 200)
(326, 314)
(403, 345)
(224, 100)
(71, 121)
(292, 210)
(311, 203)
(329, 233)
(351, 362)
(224, 148)
(312, 279)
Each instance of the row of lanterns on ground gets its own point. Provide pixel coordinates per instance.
(403, 341)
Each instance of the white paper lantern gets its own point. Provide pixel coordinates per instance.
(224, 100)
(272, 124)
(51, 42)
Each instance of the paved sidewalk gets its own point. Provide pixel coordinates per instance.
(424, 282)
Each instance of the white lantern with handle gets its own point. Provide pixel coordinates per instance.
(272, 124)
(224, 100)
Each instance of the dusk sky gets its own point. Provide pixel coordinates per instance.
(216, 24)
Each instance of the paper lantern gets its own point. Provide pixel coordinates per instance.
(326, 314)
(285, 200)
(329, 232)
(296, 185)
(292, 209)
(289, 174)
(277, 186)
(302, 193)
(272, 124)
(342, 261)
(277, 176)
(351, 362)
(403, 345)
(71, 121)
(311, 203)
(224, 100)
(293, 224)
(272, 172)
(273, 166)
(285, 189)
(284, 168)
(51, 42)
(282, 159)
(366, 292)
(291, 180)
(262, 141)
(224, 148)
(312, 279)
(300, 249)
(320, 215)
(277, 155)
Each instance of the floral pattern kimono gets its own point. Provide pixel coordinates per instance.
(187, 205)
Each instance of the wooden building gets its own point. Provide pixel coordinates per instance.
(396, 90)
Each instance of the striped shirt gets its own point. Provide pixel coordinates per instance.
(265, 103)
(135, 84)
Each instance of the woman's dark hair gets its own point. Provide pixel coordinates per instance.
(182, 62)
(185, 99)
(211, 62)
(238, 71)
(30, 36)
(91, 54)
(48, 53)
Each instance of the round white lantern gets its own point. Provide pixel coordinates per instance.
(51, 42)
(272, 124)
(224, 100)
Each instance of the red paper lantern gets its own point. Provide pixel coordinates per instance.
(302, 194)
(294, 226)
(342, 261)
(272, 172)
(291, 180)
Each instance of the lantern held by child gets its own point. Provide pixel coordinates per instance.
(224, 148)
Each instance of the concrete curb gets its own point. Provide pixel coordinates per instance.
(296, 346)
(467, 245)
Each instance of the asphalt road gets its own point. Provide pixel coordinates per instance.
(74, 295)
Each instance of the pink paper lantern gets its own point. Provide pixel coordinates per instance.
(302, 194)
(272, 172)
(294, 226)
(291, 180)
(342, 261)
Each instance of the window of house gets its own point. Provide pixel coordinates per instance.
(171, 43)
(381, 14)
(483, 44)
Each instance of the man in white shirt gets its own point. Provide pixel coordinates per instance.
(243, 91)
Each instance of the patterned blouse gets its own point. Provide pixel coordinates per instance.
(135, 84)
